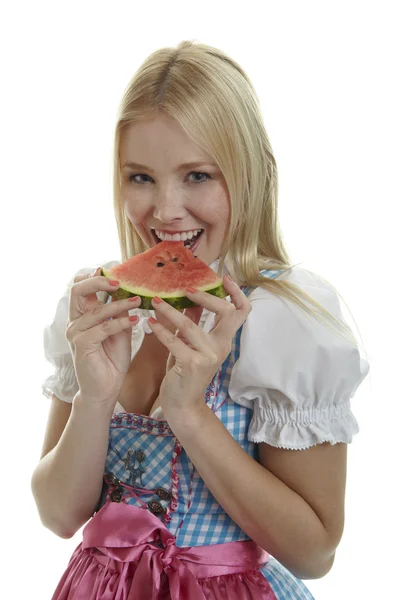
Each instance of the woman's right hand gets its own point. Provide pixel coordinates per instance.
(100, 338)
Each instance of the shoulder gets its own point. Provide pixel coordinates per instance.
(272, 309)
(309, 282)
(296, 373)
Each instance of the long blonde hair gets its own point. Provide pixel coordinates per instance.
(214, 101)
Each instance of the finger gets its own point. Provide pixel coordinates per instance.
(194, 314)
(103, 312)
(86, 275)
(85, 290)
(91, 338)
(178, 349)
(188, 330)
(230, 314)
(79, 278)
(92, 300)
(100, 297)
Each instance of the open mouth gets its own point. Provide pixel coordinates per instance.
(190, 244)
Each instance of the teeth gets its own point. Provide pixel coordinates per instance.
(188, 235)
(193, 241)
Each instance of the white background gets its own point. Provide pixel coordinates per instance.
(327, 76)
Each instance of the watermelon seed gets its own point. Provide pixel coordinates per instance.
(159, 264)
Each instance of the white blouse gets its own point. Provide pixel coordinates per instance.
(295, 374)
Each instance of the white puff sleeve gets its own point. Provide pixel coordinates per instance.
(295, 373)
(62, 382)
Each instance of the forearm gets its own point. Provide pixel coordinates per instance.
(67, 482)
(266, 509)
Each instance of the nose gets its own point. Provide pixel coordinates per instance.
(169, 206)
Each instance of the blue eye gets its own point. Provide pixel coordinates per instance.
(199, 173)
(134, 175)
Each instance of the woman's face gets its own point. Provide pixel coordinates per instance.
(163, 195)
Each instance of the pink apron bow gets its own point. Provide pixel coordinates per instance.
(134, 536)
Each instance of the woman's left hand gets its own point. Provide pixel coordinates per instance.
(195, 356)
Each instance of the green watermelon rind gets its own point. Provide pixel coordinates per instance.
(178, 302)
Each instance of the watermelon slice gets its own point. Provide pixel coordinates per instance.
(164, 271)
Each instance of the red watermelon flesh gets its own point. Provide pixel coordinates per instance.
(165, 271)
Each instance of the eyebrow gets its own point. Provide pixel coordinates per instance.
(191, 165)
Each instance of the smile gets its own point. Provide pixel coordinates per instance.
(190, 238)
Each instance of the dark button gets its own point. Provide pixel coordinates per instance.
(116, 496)
(112, 479)
(155, 507)
(163, 494)
(140, 455)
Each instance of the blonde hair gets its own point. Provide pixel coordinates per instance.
(214, 101)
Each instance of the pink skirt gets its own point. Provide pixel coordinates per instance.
(127, 553)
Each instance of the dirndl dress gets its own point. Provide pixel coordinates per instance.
(158, 533)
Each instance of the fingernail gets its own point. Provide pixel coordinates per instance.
(191, 290)
(157, 300)
(114, 282)
(134, 299)
(152, 320)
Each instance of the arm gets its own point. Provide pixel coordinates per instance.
(67, 482)
(292, 504)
